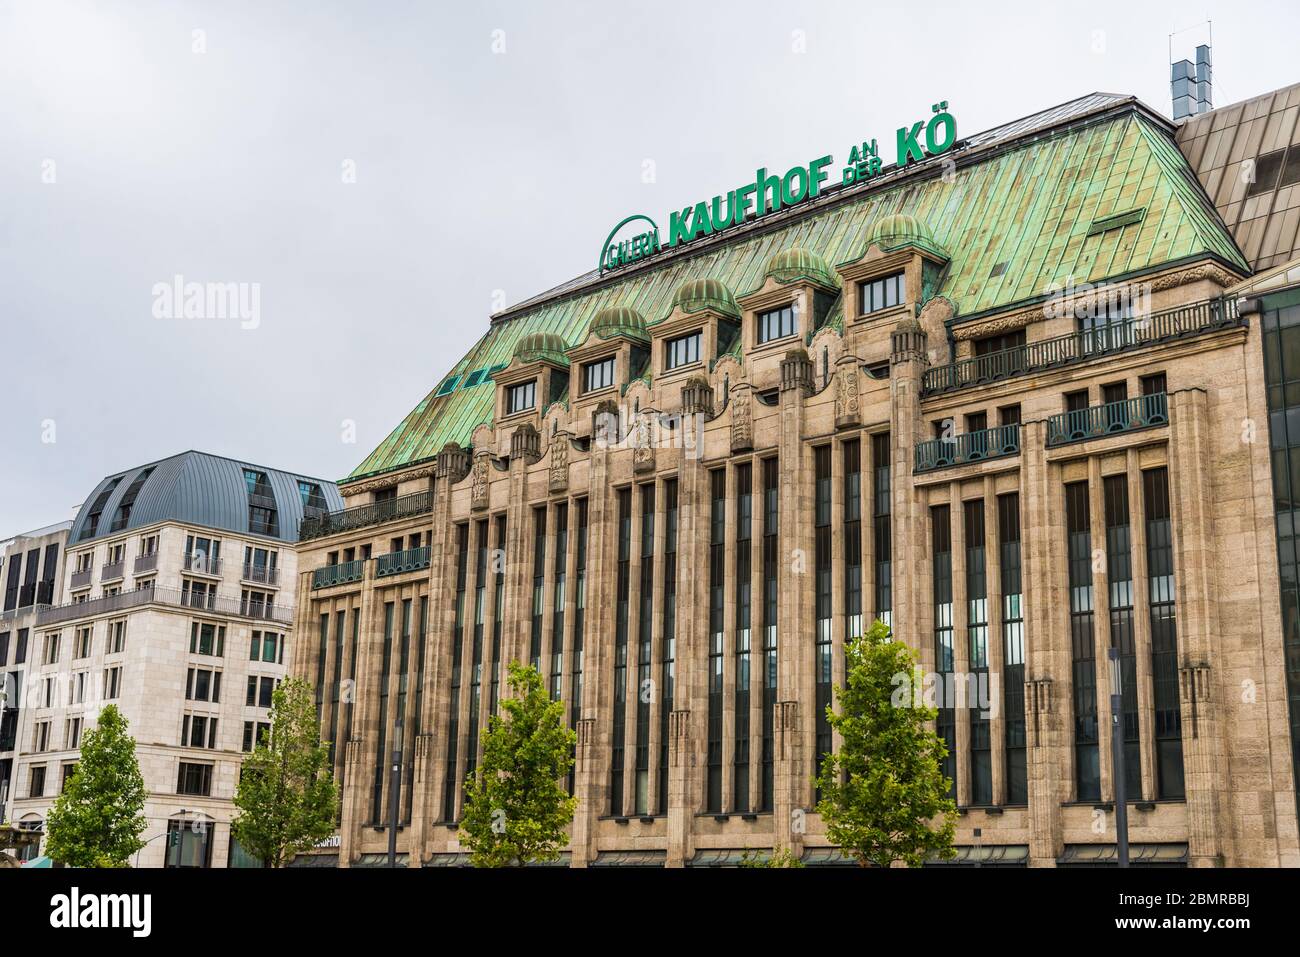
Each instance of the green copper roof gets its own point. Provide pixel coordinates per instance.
(619, 321)
(797, 263)
(696, 295)
(542, 345)
(1015, 221)
(899, 230)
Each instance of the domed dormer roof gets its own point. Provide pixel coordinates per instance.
(904, 229)
(696, 295)
(796, 263)
(545, 346)
(618, 321)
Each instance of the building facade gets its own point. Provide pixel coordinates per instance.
(31, 569)
(1000, 399)
(178, 608)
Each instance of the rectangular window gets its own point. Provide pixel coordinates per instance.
(256, 734)
(194, 779)
(621, 613)
(1087, 770)
(1164, 635)
(771, 525)
(598, 375)
(207, 639)
(669, 649)
(377, 815)
(977, 637)
(520, 398)
(852, 539)
(50, 651)
(451, 788)
(1013, 643)
(776, 324)
(82, 646)
(498, 611)
(37, 784)
(117, 636)
(539, 588)
(113, 682)
(1119, 582)
(744, 586)
(822, 601)
(941, 549)
(645, 631)
(717, 599)
(476, 652)
(883, 293)
(881, 527)
(682, 351)
(72, 734)
(1155, 383)
(198, 731)
(579, 614)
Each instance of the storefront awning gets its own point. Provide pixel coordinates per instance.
(630, 859)
(1139, 855)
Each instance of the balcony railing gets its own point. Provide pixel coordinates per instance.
(81, 579)
(113, 570)
(394, 563)
(209, 602)
(1129, 415)
(339, 574)
(261, 500)
(360, 516)
(264, 528)
(202, 564)
(1079, 346)
(261, 574)
(991, 443)
(145, 563)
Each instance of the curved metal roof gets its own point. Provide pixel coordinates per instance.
(197, 488)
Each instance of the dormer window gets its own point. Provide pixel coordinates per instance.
(776, 324)
(598, 375)
(682, 351)
(882, 293)
(521, 397)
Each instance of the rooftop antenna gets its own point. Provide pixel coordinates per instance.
(1190, 83)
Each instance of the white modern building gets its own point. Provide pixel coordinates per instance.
(178, 598)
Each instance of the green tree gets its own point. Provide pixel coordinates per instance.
(287, 798)
(884, 794)
(516, 809)
(97, 820)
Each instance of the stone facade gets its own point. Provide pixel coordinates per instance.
(523, 547)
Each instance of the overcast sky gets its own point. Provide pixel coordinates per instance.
(384, 174)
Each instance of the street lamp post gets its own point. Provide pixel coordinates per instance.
(394, 787)
(1117, 755)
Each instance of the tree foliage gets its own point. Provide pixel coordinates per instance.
(884, 794)
(516, 808)
(97, 820)
(287, 799)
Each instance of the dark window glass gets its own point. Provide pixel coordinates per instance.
(683, 350)
(598, 375)
(776, 324)
(521, 397)
(882, 293)
(1083, 651)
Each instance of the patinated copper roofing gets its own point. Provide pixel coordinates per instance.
(1018, 215)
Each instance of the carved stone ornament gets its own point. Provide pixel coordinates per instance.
(643, 452)
(742, 419)
(846, 395)
(558, 479)
(387, 481)
(452, 462)
(478, 496)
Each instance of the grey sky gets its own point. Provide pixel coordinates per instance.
(475, 171)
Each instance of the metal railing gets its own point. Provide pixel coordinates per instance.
(262, 574)
(260, 500)
(339, 574)
(202, 601)
(264, 528)
(1078, 346)
(1129, 415)
(394, 563)
(203, 564)
(81, 579)
(113, 570)
(145, 563)
(977, 446)
(360, 516)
